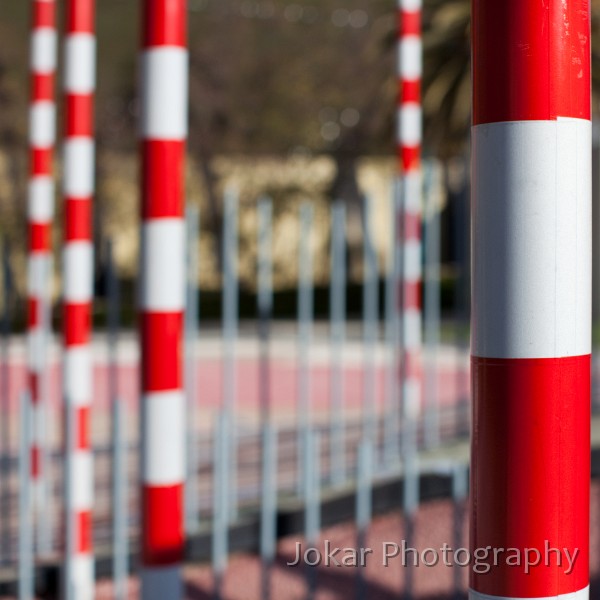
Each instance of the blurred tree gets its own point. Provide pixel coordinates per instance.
(268, 77)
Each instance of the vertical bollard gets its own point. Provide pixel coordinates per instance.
(230, 332)
(432, 309)
(163, 130)
(268, 507)
(78, 279)
(305, 319)
(461, 248)
(40, 201)
(71, 525)
(221, 498)
(5, 425)
(40, 424)
(268, 473)
(531, 284)
(192, 501)
(312, 501)
(120, 529)
(410, 505)
(265, 303)
(337, 315)
(391, 426)
(26, 573)
(370, 328)
(120, 544)
(113, 294)
(364, 509)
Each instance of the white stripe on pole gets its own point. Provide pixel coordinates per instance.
(537, 214)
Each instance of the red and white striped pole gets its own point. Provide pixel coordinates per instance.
(409, 220)
(531, 323)
(79, 85)
(42, 132)
(164, 61)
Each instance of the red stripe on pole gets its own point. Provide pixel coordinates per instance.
(410, 158)
(84, 532)
(78, 219)
(410, 91)
(531, 60)
(79, 120)
(412, 295)
(44, 14)
(39, 237)
(162, 178)
(41, 161)
(412, 226)
(77, 325)
(165, 23)
(80, 17)
(412, 365)
(162, 351)
(33, 312)
(410, 23)
(42, 87)
(531, 469)
(35, 462)
(33, 381)
(84, 440)
(162, 538)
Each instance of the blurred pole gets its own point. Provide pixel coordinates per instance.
(370, 328)
(409, 127)
(230, 333)
(41, 420)
(461, 226)
(71, 530)
(460, 484)
(79, 42)
(432, 308)
(312, 502)
(268, 473)
(26, 573)
(364, 509)
(265, 303)
(337, 315)
(6, 432)
(221, 498)
(410, 505)
(391, 425)
(113, 294)
(409, 136)
(40, 215)
(120, 558)
(119, 431)
(268, 507)
(305, 321)
(192, 501)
